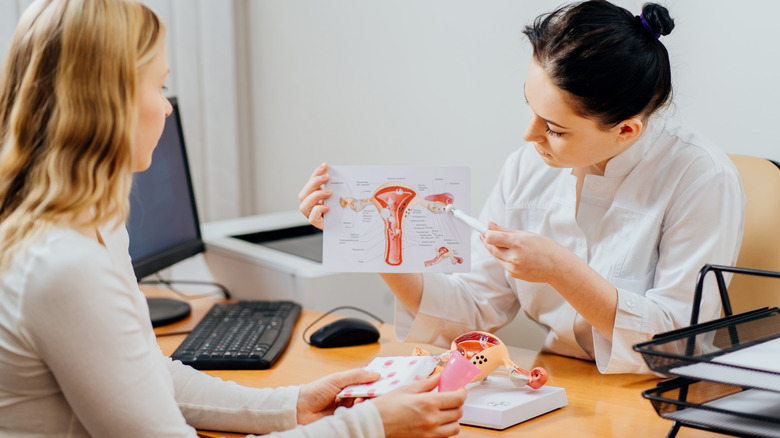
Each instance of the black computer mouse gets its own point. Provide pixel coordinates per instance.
(345, 332)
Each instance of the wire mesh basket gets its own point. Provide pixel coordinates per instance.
(729, 368)
(713, 351)
(718, 407)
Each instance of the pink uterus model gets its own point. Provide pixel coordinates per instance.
(487, 352)
(394, 201)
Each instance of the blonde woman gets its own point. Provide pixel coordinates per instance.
(81, 108)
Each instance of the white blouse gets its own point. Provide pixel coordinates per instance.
(664, 208)
(78, 357)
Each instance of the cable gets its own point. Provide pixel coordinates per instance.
(333, 310)
(170, 283)
(160, 335)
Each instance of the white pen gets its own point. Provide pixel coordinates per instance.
(470, 221)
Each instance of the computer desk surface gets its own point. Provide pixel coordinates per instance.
(599, 405)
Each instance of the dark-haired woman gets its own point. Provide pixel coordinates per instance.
(599, 226)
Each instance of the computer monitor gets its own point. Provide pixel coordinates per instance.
(163, 222)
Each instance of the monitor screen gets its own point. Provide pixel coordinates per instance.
(163, 223)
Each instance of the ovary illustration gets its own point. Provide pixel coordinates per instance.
(394, 201)
(444, 253)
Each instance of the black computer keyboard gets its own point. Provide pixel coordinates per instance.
(240, 335)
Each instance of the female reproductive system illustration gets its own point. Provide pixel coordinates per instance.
(394, 201)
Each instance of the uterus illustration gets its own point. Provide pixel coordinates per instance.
(394, 201)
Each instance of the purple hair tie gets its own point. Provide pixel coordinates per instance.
(647, 26)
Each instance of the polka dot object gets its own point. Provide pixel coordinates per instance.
(395, 371)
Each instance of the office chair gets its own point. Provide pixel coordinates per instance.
(761, 239)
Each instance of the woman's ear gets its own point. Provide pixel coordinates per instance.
(630, 129)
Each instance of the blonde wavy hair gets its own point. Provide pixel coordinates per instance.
(68, 115)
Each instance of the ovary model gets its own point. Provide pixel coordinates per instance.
(394, 201)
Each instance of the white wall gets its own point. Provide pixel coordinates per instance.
(353, 82)
(440, 82)
(269, 89)
(726, 58)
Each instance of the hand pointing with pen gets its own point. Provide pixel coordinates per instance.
(535, 258)
(525, 255)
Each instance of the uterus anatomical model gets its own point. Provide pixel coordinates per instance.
(488, 353)
(394, 201)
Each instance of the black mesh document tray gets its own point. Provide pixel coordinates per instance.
(703, 351)
(728, 369)
(717, 407)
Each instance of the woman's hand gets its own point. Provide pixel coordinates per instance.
(313, 196)
(525, 255)
(318, 398)
(413, 410)
(538, 259)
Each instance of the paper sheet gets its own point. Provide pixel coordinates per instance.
(392, 219)
(752, 402)
(764, 356)
(761, 362)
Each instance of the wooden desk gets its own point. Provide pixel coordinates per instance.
(599, 405)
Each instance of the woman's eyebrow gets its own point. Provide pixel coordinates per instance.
(552, 123)
(546, 121)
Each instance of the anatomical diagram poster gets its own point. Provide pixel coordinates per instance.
(393, 219)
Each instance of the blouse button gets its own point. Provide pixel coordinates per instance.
(630, 302)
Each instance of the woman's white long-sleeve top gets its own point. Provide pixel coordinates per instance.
(664, 208)
(78, 358)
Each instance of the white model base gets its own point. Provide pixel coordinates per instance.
(496, 403)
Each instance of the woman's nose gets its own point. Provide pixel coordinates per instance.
(535, 130)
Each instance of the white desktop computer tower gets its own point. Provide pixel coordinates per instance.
(274, 256)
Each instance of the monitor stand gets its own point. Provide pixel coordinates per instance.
(167, 310)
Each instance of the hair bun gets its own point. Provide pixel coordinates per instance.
(658, 18)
